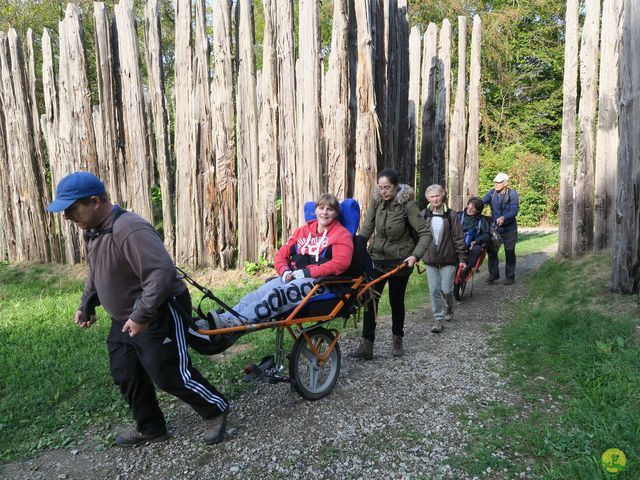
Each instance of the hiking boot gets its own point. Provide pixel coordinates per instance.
(491, 280)
(398, 347)
(448, 313)
(509, 281)
(216, 426)
(133, 438)
(437, 327)
(364, 350)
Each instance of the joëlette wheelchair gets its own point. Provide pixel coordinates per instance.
(315, 359)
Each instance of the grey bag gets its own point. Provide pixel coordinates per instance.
(494, 237)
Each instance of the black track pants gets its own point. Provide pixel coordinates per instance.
(159, 356)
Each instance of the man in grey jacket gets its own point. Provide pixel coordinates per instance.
(136, 282)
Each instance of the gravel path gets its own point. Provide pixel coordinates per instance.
(386, 418)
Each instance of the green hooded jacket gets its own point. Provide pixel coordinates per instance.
(386, 226)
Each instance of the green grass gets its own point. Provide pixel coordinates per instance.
(55, 386)
(573, 356)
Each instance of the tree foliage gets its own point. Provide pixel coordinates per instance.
(522, 63)
(521, 105)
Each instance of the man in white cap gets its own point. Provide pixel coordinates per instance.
(504, 209)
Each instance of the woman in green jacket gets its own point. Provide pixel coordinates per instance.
(391, 223)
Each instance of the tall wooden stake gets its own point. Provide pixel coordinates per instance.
(583, 205)
(607, 134)
(457, 138)
(625, 276)
(470, 185)
(247, 135)
(568, 142)
(224, 139)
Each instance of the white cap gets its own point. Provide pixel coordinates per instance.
(501, 177)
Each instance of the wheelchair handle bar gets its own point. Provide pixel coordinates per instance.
(388, 274)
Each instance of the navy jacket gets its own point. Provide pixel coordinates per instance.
(470, 228)
(506, 206)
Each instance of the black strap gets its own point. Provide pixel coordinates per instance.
(505, 199)
(183, 313)
(447, 215)
(208, 294)
(95, 233)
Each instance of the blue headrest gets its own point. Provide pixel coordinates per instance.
(349, 214)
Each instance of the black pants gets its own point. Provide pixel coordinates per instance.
(397, 288)
(159, 356)
(474, 254)
(509, 240)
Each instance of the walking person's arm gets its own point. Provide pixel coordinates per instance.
(89, 287)
(145, 253)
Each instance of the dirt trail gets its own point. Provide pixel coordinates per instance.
(386, 418)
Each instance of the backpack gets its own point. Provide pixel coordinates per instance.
(414, 234)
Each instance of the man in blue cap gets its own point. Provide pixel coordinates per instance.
(505, 205)
(136, 282)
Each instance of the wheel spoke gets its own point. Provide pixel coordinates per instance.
(313, 378)
(308, 355)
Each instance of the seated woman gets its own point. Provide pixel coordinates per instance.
(476, 229)
(322, 247)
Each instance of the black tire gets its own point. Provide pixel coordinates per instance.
(310, 380)
(458, 289)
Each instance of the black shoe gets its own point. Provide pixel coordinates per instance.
(133, 438)
(509, 281)
(216, 427)
(491, 280)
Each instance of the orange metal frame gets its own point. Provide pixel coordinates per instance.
(475, 268)
(291, 321)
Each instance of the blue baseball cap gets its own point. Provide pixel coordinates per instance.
(73, 187)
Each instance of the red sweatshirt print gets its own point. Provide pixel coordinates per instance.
(313, 243)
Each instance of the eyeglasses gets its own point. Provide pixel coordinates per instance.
(385, 188)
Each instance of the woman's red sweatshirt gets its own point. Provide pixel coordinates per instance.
(313, 243)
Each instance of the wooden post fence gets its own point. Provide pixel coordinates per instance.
(244, 141)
